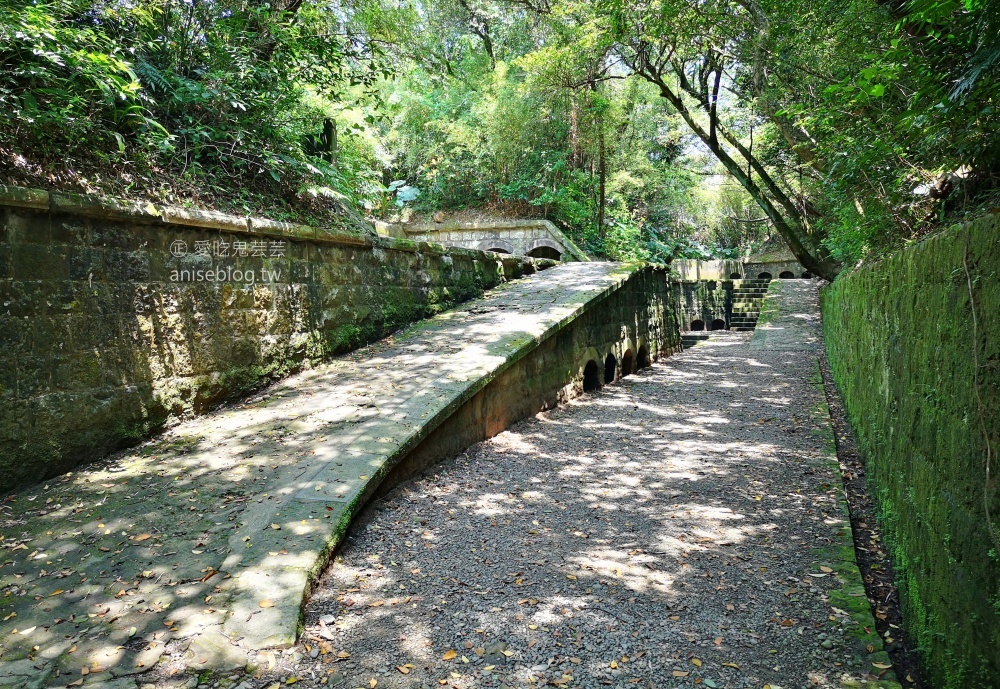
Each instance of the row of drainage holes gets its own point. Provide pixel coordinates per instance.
(784, 275)
(717, 324)
(630, 364)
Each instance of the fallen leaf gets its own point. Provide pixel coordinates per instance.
(732, 665)
(266, 603)
(372, 682)
(143, 537)
(718, 641)
(680, 673)
(488, 668)
(696, 662)
(825, 569)
(450, 655)
(343, 654)
(882, 666)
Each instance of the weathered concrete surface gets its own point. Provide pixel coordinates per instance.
(208, 537)
(684, 528)
(116, 317)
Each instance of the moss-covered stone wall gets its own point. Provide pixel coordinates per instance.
(904, 337)
(108, 329)
(703, 300)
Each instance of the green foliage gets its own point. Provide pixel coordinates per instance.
(874, 121)
(214, 95)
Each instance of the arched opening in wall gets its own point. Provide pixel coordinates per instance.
(642, 358)
(697, 325)
(498, 250)
(764, 276)
(807, 275)
(610, 368)
(628, 363)
(718, 324)
(787, 275)
(591, 376)
(735, 276)
(545, 252)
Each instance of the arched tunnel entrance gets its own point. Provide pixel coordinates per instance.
(642, 359)
(545, 252)
(628, 363)
(591, 376)
(610, 368)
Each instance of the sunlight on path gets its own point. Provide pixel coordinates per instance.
(683, 526)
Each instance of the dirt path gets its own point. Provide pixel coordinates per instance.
(683, 527)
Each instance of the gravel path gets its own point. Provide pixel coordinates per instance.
(669, 530)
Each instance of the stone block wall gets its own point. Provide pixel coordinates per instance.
(108, 329)
(518, 237)
(914, 346)
(691, 269)
(704, 300)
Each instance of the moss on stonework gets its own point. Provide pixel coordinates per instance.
(903, 338)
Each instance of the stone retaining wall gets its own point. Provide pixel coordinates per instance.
(108, 328)
(904, 337)
(705, 301)
(690, 269)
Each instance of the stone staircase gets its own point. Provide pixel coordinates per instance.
(748, 296)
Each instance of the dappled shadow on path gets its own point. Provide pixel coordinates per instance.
(108, 565)
(669, 529)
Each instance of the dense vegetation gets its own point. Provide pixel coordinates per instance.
(646, 128)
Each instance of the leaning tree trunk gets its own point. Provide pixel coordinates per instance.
(775, 203)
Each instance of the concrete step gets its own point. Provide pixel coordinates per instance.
(689, 340)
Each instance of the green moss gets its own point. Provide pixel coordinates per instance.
(901, 346)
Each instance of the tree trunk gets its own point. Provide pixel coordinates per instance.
(602, 172)
(789, 225)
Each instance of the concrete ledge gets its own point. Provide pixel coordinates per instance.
(209, 219)
(104, 208)
(19, 197)
(108, 208)
(270, 511)
(277, 228)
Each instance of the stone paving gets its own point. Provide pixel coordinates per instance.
(685, 527)
(203, 541)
